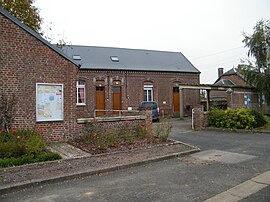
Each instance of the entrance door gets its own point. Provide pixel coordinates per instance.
(176, 99)
(100, 100)
(117, 99)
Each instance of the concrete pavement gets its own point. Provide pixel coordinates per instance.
(227, 160)
(243, 190)
(235, 147)
(79, 164)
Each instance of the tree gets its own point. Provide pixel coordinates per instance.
(257, 73)
(24, 11)
(29, 15)
(7, 112)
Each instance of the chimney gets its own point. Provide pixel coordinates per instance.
(220, 72)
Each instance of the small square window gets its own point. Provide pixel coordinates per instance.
(76, 57)
(115, 58)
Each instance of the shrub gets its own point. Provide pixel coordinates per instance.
(7, 110)
(22, 147)
(20, 143)
(127, 132)
(90, 131)
(259, 118)
(142, 131)
(216, 117)
(235, 118)
(163, 130)
(7, 162)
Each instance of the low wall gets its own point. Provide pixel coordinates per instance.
(107, 124)
(199, 118)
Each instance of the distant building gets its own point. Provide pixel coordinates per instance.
(240, 95)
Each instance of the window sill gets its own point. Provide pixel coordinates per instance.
(81, 104)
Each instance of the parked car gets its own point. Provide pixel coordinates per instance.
(152, 105)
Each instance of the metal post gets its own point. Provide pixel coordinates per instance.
(181, 103)
(208, 100)
(230, 91)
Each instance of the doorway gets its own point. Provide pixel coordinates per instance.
(100, 100)
(176, 100)
(117, 99)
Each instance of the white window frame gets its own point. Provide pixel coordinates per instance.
(148, 89)
(79, 86)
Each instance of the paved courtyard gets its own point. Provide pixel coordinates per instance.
(226, 160)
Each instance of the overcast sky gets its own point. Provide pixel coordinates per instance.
(207, 32)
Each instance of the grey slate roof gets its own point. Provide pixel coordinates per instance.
(33, 33)
(224, 82)
(99, 58)
(230, 72)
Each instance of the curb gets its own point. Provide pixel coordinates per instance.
(243, 190)
(235, 130)
(90, 172)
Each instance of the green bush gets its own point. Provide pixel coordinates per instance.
(163, 130)
(259, 118)
(216, 117)
(235, 118)
(125, 132)
(8, 162)
(19, 143)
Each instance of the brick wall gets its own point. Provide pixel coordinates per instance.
(197, 118)
(113, 124)
(236, 99)
(132, 84)
(25, 61)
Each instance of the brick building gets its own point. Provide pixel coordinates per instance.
(239, 94)
(54, 87)
(41, 77)
(119, 79)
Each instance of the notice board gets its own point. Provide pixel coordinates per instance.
(49, 102)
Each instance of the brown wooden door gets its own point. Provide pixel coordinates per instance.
(100, 100)
(117, 99)
(176, 99)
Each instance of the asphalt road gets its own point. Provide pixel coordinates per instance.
(191, 178)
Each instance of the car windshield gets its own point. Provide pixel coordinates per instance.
(153, 105)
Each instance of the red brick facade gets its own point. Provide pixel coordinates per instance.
(242, 94)
(132, 85)
(25, 61)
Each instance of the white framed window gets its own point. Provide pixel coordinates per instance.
(148, 93)
(81, 92)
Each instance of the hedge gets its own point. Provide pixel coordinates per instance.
(236, 118)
